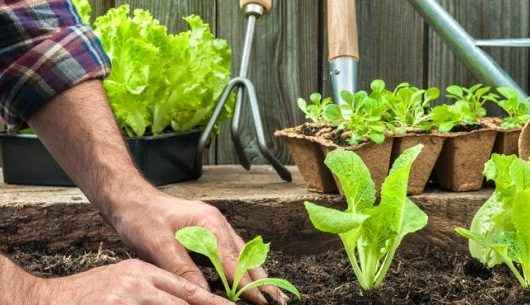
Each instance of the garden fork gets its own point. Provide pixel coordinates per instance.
(253, 9)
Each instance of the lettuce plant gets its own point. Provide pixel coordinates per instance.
(316, 108)
(253, 255)
(467, 110)
(409, 107)
(360, 114)
(371, 233)
(161, 81)
(500, 231)
(515, 107)
(84, 9)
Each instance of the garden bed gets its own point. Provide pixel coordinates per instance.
(428, 276)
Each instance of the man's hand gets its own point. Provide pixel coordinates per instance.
(131, 282)
(149, 225)
(79, 130)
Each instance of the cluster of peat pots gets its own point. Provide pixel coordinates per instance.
(380, 125)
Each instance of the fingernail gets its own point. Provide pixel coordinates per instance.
(262, 299)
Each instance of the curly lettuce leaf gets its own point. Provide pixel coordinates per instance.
(162, 81)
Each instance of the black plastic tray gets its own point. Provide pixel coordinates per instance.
(165, 159)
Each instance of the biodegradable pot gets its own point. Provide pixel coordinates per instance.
(375, 156)
(309, 158)
(424, 164)
(507, 142)
(524, 143)
(164, 159)
(461, 162)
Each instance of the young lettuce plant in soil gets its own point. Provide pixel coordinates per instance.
(371, 233)
(466, 112)
(253, 255)
(316, 108)
(500, 231)
(516, 108)
(361, 116)
(469, 143)
(409, 108)
(162, 82)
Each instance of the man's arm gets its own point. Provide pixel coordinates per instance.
(79, 130)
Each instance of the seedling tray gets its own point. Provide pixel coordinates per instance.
(424, 164)
(462, 159)
(165, 159)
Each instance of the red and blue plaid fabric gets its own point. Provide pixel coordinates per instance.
(44, 50)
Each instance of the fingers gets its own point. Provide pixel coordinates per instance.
(230, 249)
(177, 260)
(159, 297)
(182, 289)
(260, 273)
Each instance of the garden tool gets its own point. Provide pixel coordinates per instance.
(253, 9)
(343, 45)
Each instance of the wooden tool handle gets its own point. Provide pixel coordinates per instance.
(343, 37)
(267, 4)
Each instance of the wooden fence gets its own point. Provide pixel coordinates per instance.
(290, 53)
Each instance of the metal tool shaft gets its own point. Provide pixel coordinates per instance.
(463, 45)
(243, 72)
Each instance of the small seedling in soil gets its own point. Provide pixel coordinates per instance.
(466, 111)
(361, 115)
(409, 107)
(516, 108)
(500, 231)
(371, 233)
(316, 108)
(253, 255)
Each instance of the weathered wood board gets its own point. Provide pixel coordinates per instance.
(255, 203)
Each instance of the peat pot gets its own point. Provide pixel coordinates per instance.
(524, 143)
(309, 158)
(375, 156)
(424, 164)
(461, 162)
(163, 159)
(507, 142)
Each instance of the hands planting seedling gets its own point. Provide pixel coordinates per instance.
(253, 255)
(371, 233)
(500, 231)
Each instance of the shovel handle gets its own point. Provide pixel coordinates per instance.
(343, 39)
(267, 4)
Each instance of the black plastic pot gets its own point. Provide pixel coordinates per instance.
(164, 159)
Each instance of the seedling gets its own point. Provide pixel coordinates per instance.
(360, 114)
(516, 108)
(500, 231)
(253, 255)
(371, 233)
(315, 109)
(466, 111)
(409, 107)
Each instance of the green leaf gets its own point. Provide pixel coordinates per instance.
(354, 177)
(162, 81)
(202, 241)
(378, 86)
(455, 90)
(280, 283)
(333, 221)
(253, 255)
(521, 221)
(84, 9)
(333, 114)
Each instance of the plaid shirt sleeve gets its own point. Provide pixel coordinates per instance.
(44, 50)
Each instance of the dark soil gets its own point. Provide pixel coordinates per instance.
(467, 128)
(430, 277)
(339, 137)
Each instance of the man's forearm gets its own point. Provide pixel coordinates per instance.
(16, 286)
(79, 129)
